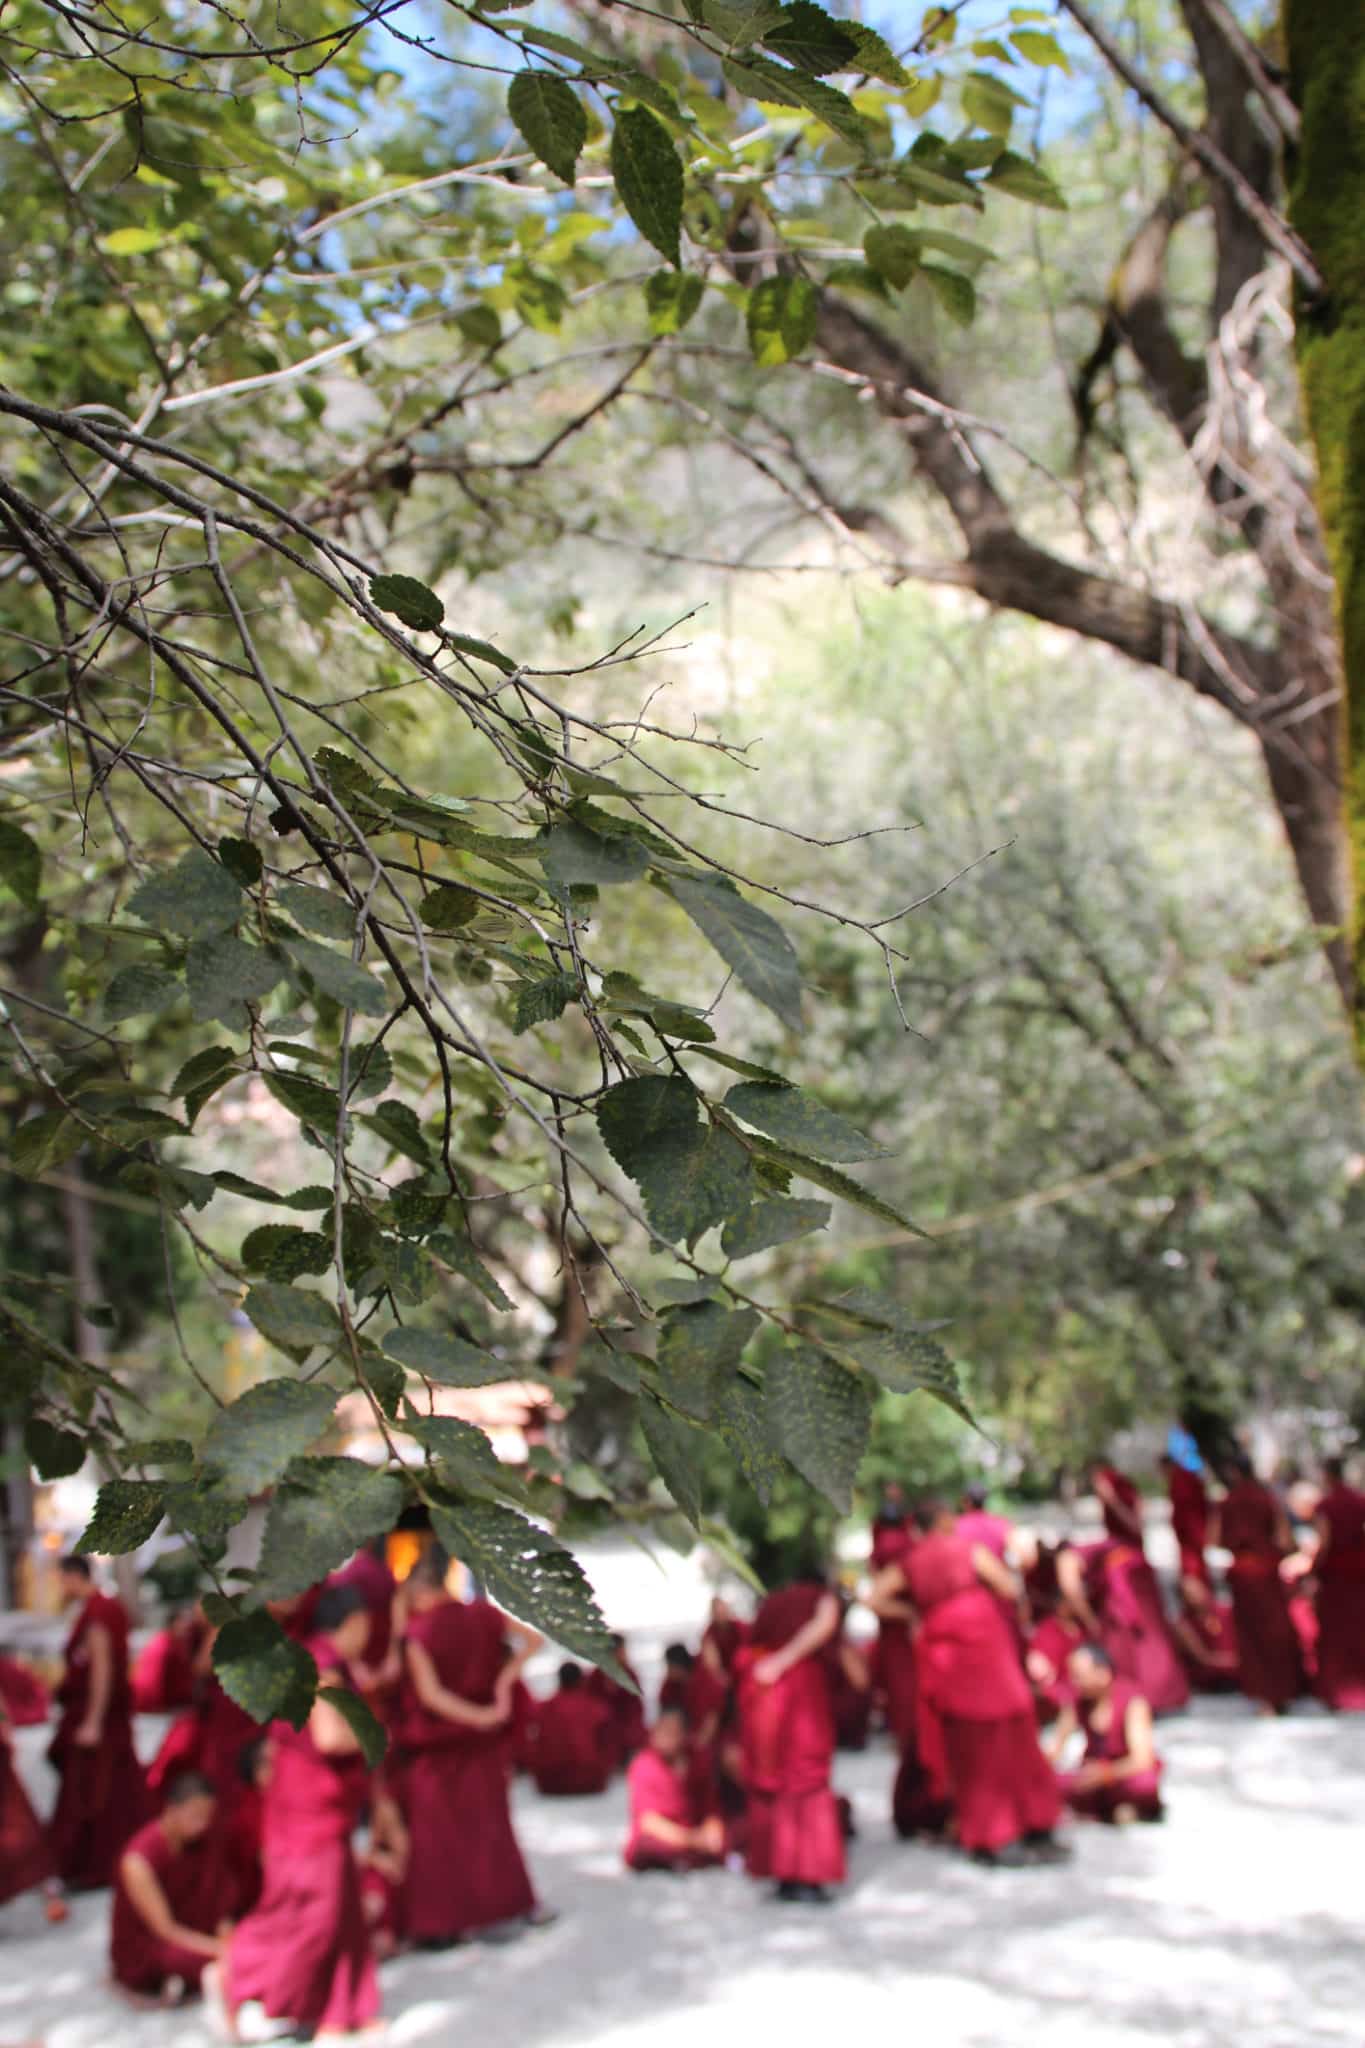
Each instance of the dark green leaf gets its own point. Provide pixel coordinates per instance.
(691, 1175)
(242, 861)
(225, 973)
(322, 1511)
(649, 178)
(797, 1119)
(202, 1075)
(550, 118)
(409, 601)
(44, 1141)
(370, 1072)
(893, 252)
(55, 1453)
(528, 1573)
(291, 1316)
(700, 1346)
(820, 1415)
(897, 1349)
(675, 1449)
(338, 976)
(761, 79)
(741, 1423)
(317, 910)
(138, 991)
(448, 1360)
(127, 1512)
(360, 1719)
(282, 1252)
(739, 22)
(459, 1254)
(396, 1123)
(21, 863)
(875, 55)
(251, 1442)
(811, 39)
(300, 1198)
(269, 1677)
(671, 298)
(777, 1220)
(837, 1183)
(747, 939)
(570, 853)
(205, 1511)
(196, 897)
(464, 1451)
(954, 292)
(540, 1002)
(482, 650)
(781, 317)
(309, 1101)
(446, 908)
(1024, 179)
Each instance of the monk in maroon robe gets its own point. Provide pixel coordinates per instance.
(625, 1704)
(173, 1896)
(1253, 1525)
(24, 1699)
(1004, 1792)
(210, 1736)
(788, 1736)
(25, 1855)
(665, 1833)
(466, 1874)
(1340, 1573)
(1046, 1655)
(977, 1524)
(1124, 1590)
(379, 1671)
(1120, 1777)
(1189, 1500)
(102, 1798)
(893, 1534)
(304, 1953)
(678, 1666)
(163, 1676)
(1207, 1636)
(570, 1756)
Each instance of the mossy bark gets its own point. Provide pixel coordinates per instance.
(1325, 43)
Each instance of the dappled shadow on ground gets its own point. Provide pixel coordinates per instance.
(1234, 1923)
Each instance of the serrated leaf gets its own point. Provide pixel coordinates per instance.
(954, 292)
(252, 1441)
(781, 318)
(202, 1075)
(811, 39)
(938, 187)
(1024, 179)
(570, 853)
(158, 1450)
(540, 1002)
(459, 1254)
(446, 908)
(690, 1175)
(291, 1316)
(317, 910)
(139, 991)
(741, 1423)
(127, 1512)
(223, 974)
(463, 1450)
(820, 1415)
(408, 601)
(338, 976)
(196, 897)
(762, 79)
(298, 1198)
(649, 178)
(281, 1251)
(777, 1220)
(700, 1346)
(829, 1177)
(174, 1185)
(671, 299)
(54, 1453)
(893, 253)
(309, 1100)
(322, 1511)
(800, 1120)
(241, 859)
(397, 1124)
(739, 22)
(270, 1677)
(205, 1511)
(448, 1360)
(371, 1071)
(21, 863)
(526, 1571)
(898, 1350)
(550, 118)
(747, 939)
(360, 1719)
(675, 1450)
(875, 55)
(44, 1141)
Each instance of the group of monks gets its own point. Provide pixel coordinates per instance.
(1017, 1680)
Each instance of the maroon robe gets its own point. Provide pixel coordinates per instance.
(163, 1675)
(1270, 1660)
(571, 1753)
(891, 1544)
(465, 1869)
(1141, 1790)
(1341, 1601)
(992, 1532)
(1050, 1645)
(24, 1700)
(787, 1732)
(304, 1952)
(25, 1856)
(655, 1786)
(1002, 1786)
(627, 1709)
(209, 1737)
(199, 1891)
(1216, 1669)
(1189, 1520)
(102, 1799)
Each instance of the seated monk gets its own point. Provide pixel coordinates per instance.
(240, 1826)
(163, 1675)
(678, 1663)
(1045, 1660)
(571, 1751)
(172, 1891)
(1206, 1637)
(1120, 1776)
(24, 1699)
(663, 1835)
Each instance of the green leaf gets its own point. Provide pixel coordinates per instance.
(739, 22)
(54, 1453)
(820, 1415)
(1036, 46)
(898, 1351)
(225, 973)
(298, 1198)
(193, 899)
(138, 991)
(449, 1361)
(761, 79)
(671, 299)
(937, 187)
(317, 910)
(781, 317)
(174, 1185)
(540, 1002)
(1024, 179)
(202, 1075)
(396, 1123)
(291, 1317)
(204, 1511)
(835, 1182)
(468, 1458)
(127, 1512)
(338, 976)
(777, 1220)
(322, 1511)
(570, 852)
(747, 939)
(550, 118)
(409, 601)
(309, 1100)
(269, 1677)
(700, 1346)
(459, 1254)
(740, 1421)
(954, 292)
(675, 1449)
(371, 1071)
(446, 908)
(21, 863)
(875, 55)
(649, 178)
(989, 103)
(360, 1719)
(526, 1571)
(241, 859)
(283, 1252)
(482, 650)
(690, 1175)
(893, 253)
(811, 39)
(795, 1118)
(131, 241)
(44, 1141)
(251, 1442)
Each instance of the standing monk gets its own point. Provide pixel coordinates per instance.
(465, 1870)
(787, 1731)
(1002, 1787)
(1253, 1525)
(25, 1857)
(102, 1800)
(303, 1953)
(1189, 1516)
(893, 1534)
(173, 1895)
(1133, 1625)
(977, 1524)
(1340, 1573)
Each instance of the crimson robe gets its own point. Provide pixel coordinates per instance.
(163, 1675)
(1341, 1601)
(571, 1753)
(992, 1532)
(1216, 1670)
(1270, 1660)
(465, 1869)
(304, 1951)
(199, 1891)
(1053, 1640)
(891, 1544)
(787, 1732)
(25, 1854)
(627, 1709)
(209, 1737)
(655, 1786)
(1189, 1520)
(24, 1700)
(1110, 1745)
(102, 1798)
(1133, 1625)
(1002, 1786)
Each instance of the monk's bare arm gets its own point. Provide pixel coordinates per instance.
(524, 1643)
(886, 1596)
(992, 1573)
(332, 1733)
(438, 1699)
(1060, 1733)
(1071, 1579)
(143, 1887)
(1129, 1515)
(101, 1686)
(1139, 1742)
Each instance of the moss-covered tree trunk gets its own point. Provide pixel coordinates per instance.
(1325, 41)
